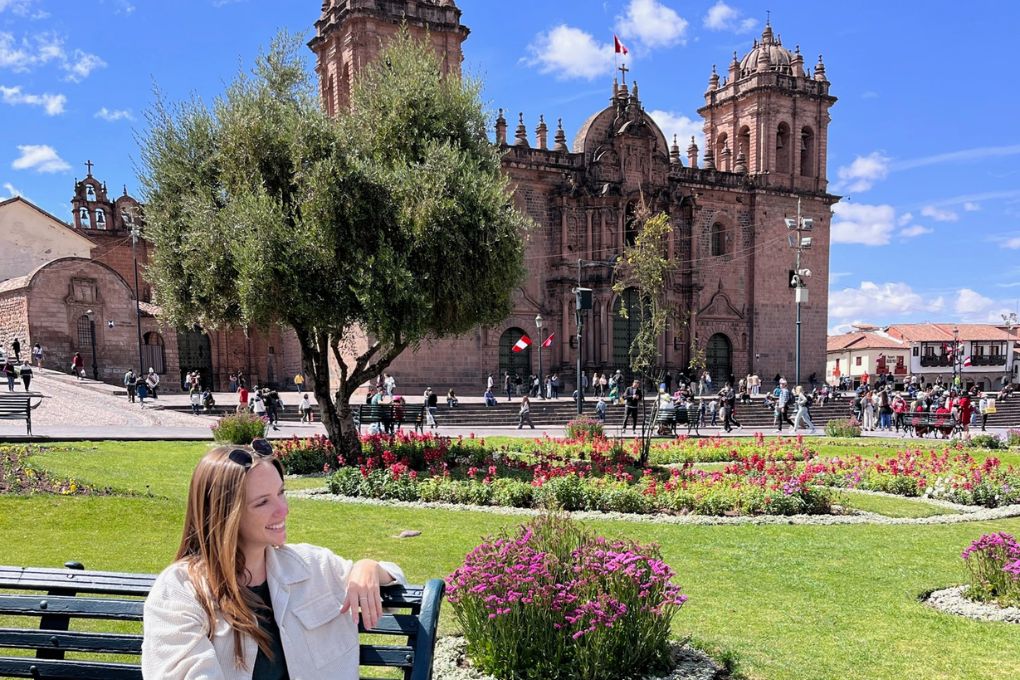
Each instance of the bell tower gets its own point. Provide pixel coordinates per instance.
(350, 34)
(770, 116)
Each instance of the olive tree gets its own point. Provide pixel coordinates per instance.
(367, 233)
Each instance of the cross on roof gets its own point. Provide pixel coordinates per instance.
(623, 70)
(89, 164)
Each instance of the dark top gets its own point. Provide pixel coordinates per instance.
(633, 397)
(264, 668)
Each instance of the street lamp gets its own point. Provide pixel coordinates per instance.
(956, 352)
(92, 336)
(129, 217)
(798, 279)
(541, 385)
(583, 299)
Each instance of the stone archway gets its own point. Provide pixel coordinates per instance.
(719, 358)
(517, 363)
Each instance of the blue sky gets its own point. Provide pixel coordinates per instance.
(923, 143)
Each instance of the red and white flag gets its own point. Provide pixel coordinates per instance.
(966, 361)
(522, 344)
(618, 46)
(548, 341)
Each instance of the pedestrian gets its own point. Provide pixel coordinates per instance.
(489, 384)
(196, 400)
(141, 390)
(524, 415)
(26, 373)
(555, 383)
(129, 385)
(548, 392)
(16, 346)
(232, 382)
(273, 403)
(600, 410)
(390, 383)
(518, 383)
(77, 366)
(257, 404)
(508, 385)
(431, 405)
(986, 406)
(584, 383)
(305, 408)
(782, 400)
(10, 374)
(37, 355)
(299, 382)
(152, 380)
(242, 400)
(632, 399)
(803, 415)
(713, 412)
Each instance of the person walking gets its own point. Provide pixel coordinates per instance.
(16, 346)
(10, 374)
(431, 406)
(26, 373)
(305, 408)
(37, 355)
(508, 386)
(299, 382)
(983, 404)
(782, 396)
(803, 415)
(632, 399)
(600, 410)
(77, 365)
(524, 415)
(242, 399)
(141, 390)
(868, 404)
(129, 385)
(152, 380)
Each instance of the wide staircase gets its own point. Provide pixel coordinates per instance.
(556, 413)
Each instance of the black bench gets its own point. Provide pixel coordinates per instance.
(14, 406)
(121, 598)
(367, 414)
(921, 423)
(667, 420)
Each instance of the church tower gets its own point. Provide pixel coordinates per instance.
(350, 34)
(770, 117)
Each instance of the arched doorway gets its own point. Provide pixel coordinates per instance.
(517, 363)
(625, 329)
(719, 358)
(153, 352)
(195, 354)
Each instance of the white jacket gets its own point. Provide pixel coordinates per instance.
(307, 586)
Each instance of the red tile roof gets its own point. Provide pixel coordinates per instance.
(943, 332)
(860, 340)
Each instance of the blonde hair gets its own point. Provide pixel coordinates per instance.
(210, 543)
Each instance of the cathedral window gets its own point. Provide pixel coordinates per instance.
(84, 332)
(807, 152)
(720, 240)
(100, 219)
(783, 148)
(744, 143)
(720, 155)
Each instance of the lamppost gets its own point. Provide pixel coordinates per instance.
(956, 353)
(583, 299)
(129, 217)
(798, 278)
(92, 337)
(541, 385)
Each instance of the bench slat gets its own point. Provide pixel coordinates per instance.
(23, 667)
(106, 582)
(391, 656)
(74, 607)
(393, 624)
(74, 641)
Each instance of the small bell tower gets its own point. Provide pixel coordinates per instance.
(350, 34)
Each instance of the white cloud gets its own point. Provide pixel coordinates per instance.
(938, 214)
(569, 52)
(862, 174)
(683, 127)
(52, 104)
(915, 230)
(970, 206)
(11, 190)
(652, 23)
(870, 225)
(894, 299)
(82, 65)
(1012, 243)
(904, 219)
(113, 115)
(22, 8)
(971, 302)
(24, 55)
(39, 157)
(722, 17)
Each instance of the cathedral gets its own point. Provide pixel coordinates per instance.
(731, 207)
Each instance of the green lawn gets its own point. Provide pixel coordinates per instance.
(797, 602)
(890, 507)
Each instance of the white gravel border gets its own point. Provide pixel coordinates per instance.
(980, 515)
(954, 601)
(689, 663)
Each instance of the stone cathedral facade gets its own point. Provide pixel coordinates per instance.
(766, 127)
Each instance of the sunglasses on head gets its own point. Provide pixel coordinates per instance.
(245, 459)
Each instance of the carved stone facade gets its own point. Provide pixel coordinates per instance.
(766, 131)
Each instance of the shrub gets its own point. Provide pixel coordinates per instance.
(307, 456)
(993, 562)
(986, 441)
(585, 429)
(1013, 437)
(553, 601)
(843, 427)
(238, 429)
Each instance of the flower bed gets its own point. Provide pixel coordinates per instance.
(993, 563)
(17, 476)
(722, 449)
(554, 601)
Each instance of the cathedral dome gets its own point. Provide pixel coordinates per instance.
(777, 57)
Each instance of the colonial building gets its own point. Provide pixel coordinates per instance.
(766, 124)
(73, 287)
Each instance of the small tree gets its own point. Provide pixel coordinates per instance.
(391, 223)
(646, 268)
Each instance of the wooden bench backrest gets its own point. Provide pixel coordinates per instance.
(55, 599)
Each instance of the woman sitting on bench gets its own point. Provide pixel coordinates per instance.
(239, 602)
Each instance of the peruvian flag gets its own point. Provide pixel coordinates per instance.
(522, 344)
(966, 361)
(618, 46)
(548, 341)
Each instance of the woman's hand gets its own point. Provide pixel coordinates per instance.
(363, 592)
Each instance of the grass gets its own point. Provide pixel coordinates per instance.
(785, 601)
(890, 507)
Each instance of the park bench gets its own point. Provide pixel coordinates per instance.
(666, 420)
(18, 406)
(924, 422)
(368, 414)
(56, 598)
